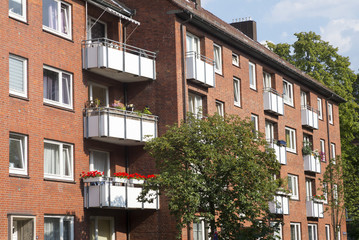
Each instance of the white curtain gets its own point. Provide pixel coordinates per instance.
(52, 161)
(51, 85)
(67, 161)
(66, 94)
(100, 162)
(64, 19)
(52, 229)
(49, 13)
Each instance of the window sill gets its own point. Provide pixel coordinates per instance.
(253, 88)
(18, 18)
(57, 34)
(292, 151)
(219, 73)
(288, 104)
(238, 105)
(59, 180)
(19, 97)
(18, 175)
(59, 107)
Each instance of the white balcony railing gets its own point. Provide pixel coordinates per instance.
(279, 149)
(111, 194)
(273, 101)
(119, 126)
(311, 163)
(280, 205)
(309, 117)
(314, 208)
(200, 69)
(118, 61)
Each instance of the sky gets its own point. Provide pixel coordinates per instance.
(337, 21)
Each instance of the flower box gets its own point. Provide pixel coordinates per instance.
(136, 181)
(94, 179)
(119, 180)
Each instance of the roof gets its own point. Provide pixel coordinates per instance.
(116, 5)
(232, 36)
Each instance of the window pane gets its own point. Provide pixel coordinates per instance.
(251, 77)
(23, 229)
(52, 160)
(51, 85)
(16, 75)
(16, 154)
(15, 6)
(292, 232)
(99, 93)
(66, 86)
(100, 162)
(67, 229)
(50, 14)
(104, 229)
(98, 30)
(65, 19)
(52, 229)
(67, 160)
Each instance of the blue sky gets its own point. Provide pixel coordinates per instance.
(337, 21)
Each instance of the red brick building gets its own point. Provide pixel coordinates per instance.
(66, 62)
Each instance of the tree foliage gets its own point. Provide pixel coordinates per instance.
(321, 61)
(218, 170)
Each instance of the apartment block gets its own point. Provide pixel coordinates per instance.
(74, 73)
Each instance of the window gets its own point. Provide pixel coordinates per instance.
(97, 91)
(192, 43)
(295, 231)
(237, 92)
(303, 99)
(330, 113)
(267, 81)
(320, 109)
(335, 192)
(195, 104)
(327, 232)
(235, 59)
(57, 87)
(100, 161)
(199, 230)
(254, 120)
(293, 186)
(98, 29)
(58, 158)
(18, 76)
(269, 131)
(252, 76)
(58, 227)
(217, 58)
(332, 151)
(102, 228)
(17, 9)
(338, 233)
(288, 93)
(220, 108)
(277, 234)
(56, 17)
(310, 188)
(290, 139)
(22, 227)
(18, 154)
(322, 149)
(313, 231)
(325, 192)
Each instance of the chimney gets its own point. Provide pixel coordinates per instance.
(197, 3)
(248, 27)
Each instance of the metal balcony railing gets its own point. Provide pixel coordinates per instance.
(273, 101)
(309, 117)
(200, 69)
(314, 207)
(279, 149)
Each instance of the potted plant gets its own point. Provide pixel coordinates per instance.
(120, 177)
(316, 154)
(307, 148)
(136, 178)
(319, 198)
(117, 104)
(93, 176)
(130, 107)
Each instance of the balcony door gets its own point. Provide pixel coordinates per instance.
(98, 93)
(303, 99)
(100, 161)
(310, 188)
(269, 131)
(96, 29)
(267, 81)
(192, 43)
(102, 228)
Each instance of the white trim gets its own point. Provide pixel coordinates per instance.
(220, 108)
(267, 81)
(238, 92)
(24, 77)
(254, 119)
(314, 230)
(217, 66)
(60, 102)
(330, 113)
(235, 59)
(288, 99)
(89, 35)
(252, 68)
(320, 108)
(294, 181)
(61, 161)
(20, 217)
(23, 145)
(17, 16)
(100, 86)
(332, 151)
(292, 137)
(195, 103)
(112, 225)
(59, 21)
(92, 168)
(322, 148)
(61, 221)
(195, 42)
(297, 231)
(327, 232)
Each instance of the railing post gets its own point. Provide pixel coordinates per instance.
(99, 123)
(108, 122)
(141, 128)
(195, 65)
(126, 195)
(106, 44)
(109, 192)
(205, 75)
(125, 125)
(139, 63)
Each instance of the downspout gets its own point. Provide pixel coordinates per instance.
(184, 80)
(86, 20)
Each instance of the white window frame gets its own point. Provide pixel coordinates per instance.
(330, 113)
(332, 151)
(195, 43)
(24, 76)
(18, 16)
(203, 229)
(92, 164)
(59, 21)
(20, 217)
(325, 192)
(297, 231)
(237, 91)
(278, 234)
(220, 108)
(61, 160)
(294, 186)
(267, 81)
(292, 136)
(327, 232)
(235, 59)
(288, 99)
(112, 222)
(90, 25)
(253, 81)
(339, 233)
(60, 102)
(320, 108)
(322, 149)
(254, 120)
(314, 229)
(269, 130)
(217, 65)
(22, 139)
(91, 84)
(198, 104)
(61, 223)
(309, 188)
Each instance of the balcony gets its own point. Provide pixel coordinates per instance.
(314, 208)
(280, 205)
(311, 163)
(200, 69)
(309, 117)
(279, 149)
(110, 194)
(118, 61)
(273, 101)
(119, 126)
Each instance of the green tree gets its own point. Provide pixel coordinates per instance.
(321, 61)
(218, 170)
